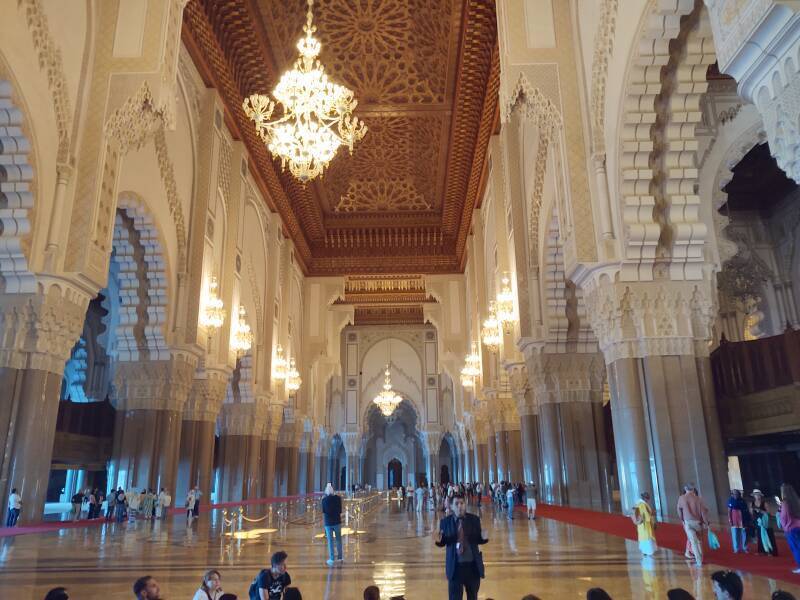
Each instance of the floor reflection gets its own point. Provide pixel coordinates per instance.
(383, 545)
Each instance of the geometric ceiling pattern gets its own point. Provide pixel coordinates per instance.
(425, 74)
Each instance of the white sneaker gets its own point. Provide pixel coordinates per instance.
(339, 560)
(329, 562)
(795, 570)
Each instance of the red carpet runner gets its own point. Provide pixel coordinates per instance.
(669, 535)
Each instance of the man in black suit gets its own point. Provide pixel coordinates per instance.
(461, 533)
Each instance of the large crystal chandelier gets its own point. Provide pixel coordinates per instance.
(317, 115)
(242, 339)
(472, 368)
(212, 316)
(505, 303)
(279, 366)
(490, 333)
(387, 401)
(293, 380)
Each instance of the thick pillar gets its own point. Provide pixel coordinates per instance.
(281, 469)
(198, 433)
(515, 455)
(269, 451)
(37, 333)
(529, 431)
(241, 431)
(567, 390)
(433, 440)
(500, 439)
(151, 395)
(491, 462)
(293, 460)
(654, 336)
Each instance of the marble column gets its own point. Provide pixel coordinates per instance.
(491, 462)
(529, 430)
(716, 447)
(293, 460)
(241, 431)
(500, 444)
(514, 455)
(196, 456)
(302, 471)
(483, 463)
(151, 396)
(37, 334)
(281, 470)
(567, 390)
(663, 419)
(28, 413)
(552, 490)
(269, 452)
(198, 433)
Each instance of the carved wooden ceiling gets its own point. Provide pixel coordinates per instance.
(386, 299)
(426, 75)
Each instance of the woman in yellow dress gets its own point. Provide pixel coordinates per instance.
(645, 518)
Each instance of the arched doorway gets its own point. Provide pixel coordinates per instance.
(394, 476)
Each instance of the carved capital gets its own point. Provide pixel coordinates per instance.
(206, 395)
(155, 384)
(658, 318)
(38, 331)
(243, 418)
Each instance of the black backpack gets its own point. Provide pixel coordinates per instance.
(253, 591)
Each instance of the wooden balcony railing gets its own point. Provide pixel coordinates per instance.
(742, 368)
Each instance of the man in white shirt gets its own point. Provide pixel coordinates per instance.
(14, 506)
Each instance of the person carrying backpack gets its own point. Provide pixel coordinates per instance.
(270, 583)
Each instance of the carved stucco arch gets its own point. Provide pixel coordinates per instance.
(530, 104)
(400, 386)
(17, 188)
(657, 159)
(142, 272)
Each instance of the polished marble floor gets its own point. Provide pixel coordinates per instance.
(387, 547)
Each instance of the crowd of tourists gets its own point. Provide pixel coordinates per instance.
(752, 519)
(504, 495)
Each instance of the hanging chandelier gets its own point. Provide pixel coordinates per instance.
(317, 115)
(213, 314)
(242, 339)
(387, 401)
(293, 380)
(472, 368)
(490, 333)
(505, 302)
(279, 367)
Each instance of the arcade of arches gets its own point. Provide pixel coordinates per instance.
(629, 168)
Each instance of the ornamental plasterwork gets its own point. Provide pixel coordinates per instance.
(603, 48)
(39, 330)
(142, 276)
(642, 218)
(245, 419)
(635, 320)
(154, 384)
(17, 196)
(173, 201)
(257, 295)
(206, 396)
(49, 55)
(540, 111)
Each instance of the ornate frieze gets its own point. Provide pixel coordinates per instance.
(206, 395)
(155, 384)
(639, 319)
(38, 331)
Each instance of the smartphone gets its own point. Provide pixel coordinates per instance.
(778, 500)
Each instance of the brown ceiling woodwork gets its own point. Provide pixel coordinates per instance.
(389, 315)
(386, 299)
(426, 74)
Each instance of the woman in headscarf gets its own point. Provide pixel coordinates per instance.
(645, 518)
(765, 534)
